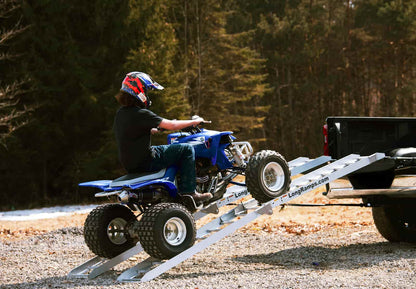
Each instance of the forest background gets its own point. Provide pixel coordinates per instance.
(271, 71)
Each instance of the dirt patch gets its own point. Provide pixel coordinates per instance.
(15, 230)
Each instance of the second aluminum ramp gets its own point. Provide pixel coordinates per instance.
(226, 224)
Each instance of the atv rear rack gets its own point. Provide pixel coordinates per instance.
(318, 173)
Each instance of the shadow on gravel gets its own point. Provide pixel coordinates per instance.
(346, 257)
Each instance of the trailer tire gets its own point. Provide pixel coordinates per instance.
(267, 175)
(396, 223)
(105, 230)
(373, 180)
(166, 229)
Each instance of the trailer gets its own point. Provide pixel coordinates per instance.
(307, 175)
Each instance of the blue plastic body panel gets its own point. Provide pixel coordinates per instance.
(207, 144)
(101, 184)
(167, 181)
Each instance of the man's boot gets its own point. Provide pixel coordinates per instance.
(201, 197)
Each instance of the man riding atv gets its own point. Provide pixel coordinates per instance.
(133, 125)
(155, 205)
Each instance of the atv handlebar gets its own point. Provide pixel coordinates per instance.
(195, 129)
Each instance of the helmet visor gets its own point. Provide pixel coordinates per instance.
(147, 81)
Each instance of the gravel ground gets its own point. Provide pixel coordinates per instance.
(354, 256)
(298, 247)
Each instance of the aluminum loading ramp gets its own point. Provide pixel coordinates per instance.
(226, 224)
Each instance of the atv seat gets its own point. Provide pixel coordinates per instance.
(137, 178)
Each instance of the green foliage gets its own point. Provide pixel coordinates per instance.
(223, 77)
(332, 58)
(71, 59)
(153, 49)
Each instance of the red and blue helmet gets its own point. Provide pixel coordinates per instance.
(137, 84)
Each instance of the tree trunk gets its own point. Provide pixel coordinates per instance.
(198, 35)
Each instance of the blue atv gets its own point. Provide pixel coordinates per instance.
(164, 224)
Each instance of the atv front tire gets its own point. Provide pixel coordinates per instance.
(105, 230)
(166, 229)
(267, 176)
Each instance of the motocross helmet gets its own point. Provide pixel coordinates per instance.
(137, 84)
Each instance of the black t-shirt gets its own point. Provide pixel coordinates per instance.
(132, 127)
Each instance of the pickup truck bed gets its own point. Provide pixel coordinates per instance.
(366, 135)
(396, 137)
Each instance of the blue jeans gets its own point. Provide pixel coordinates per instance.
(180, 155)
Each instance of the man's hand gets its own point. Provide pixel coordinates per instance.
(197, 120)
(154, 131)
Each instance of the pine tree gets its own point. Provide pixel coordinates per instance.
(384, 30)
(223, 78)
(72, 55)
(153, 49)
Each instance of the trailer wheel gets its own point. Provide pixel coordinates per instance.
(267, 175)
(396, 223)
(166, 229)
(105, 230)
(374, 180)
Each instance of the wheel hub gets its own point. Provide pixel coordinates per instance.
(116, 231)
(273, 176)
(174, 231)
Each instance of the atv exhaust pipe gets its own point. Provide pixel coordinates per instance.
(126, 197)
(123, 197)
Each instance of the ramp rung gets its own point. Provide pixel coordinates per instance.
(241, 213)
(298, 162)
(226, 222)
(302, 164)
(349, 162)
(139, 270)
(336, 168)
(327, 172)
(314, 178)
(214, 230)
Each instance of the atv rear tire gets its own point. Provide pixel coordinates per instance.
(166, 230)
(267, 176)
(105, 230)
